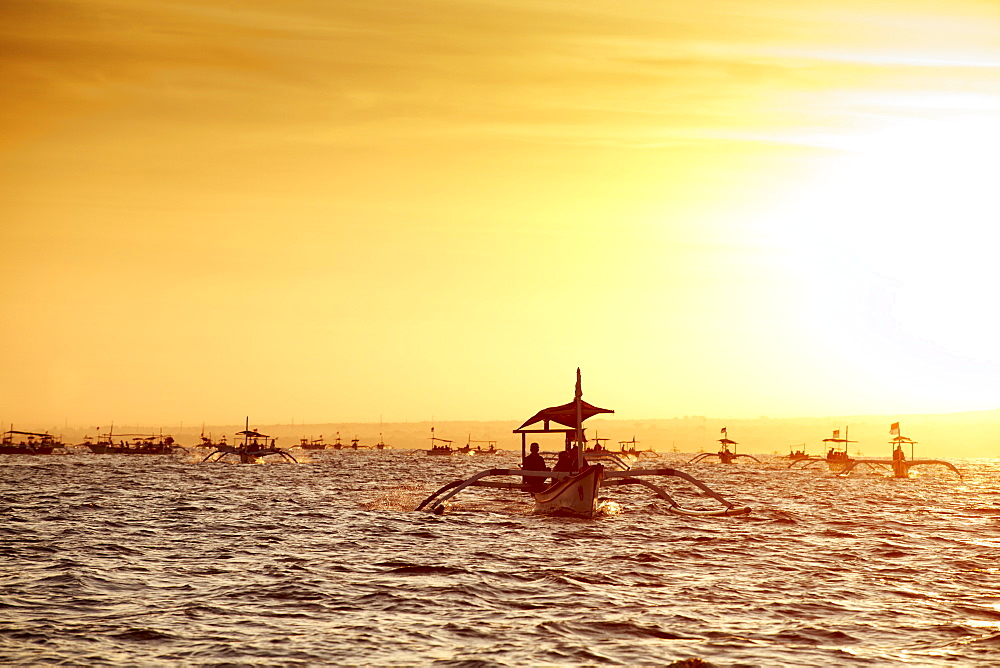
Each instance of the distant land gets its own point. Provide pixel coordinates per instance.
(969, 434)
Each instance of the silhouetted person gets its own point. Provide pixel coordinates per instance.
(534, 462)
(567, 460)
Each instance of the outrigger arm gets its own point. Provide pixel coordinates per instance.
(435, 502)
(616, 478)
(809, 460)
(476, 481)
(706, 455)
(901, 469)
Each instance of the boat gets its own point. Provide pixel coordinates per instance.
(28, 443)
(796, 455)
(629, 449)
(337, 445)
(837, 458)
(725, 454)
(576, 484)
(598, 446)
(209, 442)
(381, 445)
(356, 444)
(490, 449)
(312, 444)
(899, 464)
(467, 449)
(132, 444)
(256, 448)
(443, 449)
(599, 453)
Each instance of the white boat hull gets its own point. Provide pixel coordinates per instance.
(575, 495)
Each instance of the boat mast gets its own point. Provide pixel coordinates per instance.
(580, 461)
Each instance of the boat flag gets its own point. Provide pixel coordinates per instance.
(836, 433)
(723, 432)
(894, 429)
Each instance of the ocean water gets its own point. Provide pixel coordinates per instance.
(122, 560)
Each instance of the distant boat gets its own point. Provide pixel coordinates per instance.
(727, 452)
(443, 449)
(900, 465)
(30, 443)
(356, 444)
(382, 445)
(837, 457)
(207, 442)
(307, 444)
(599, 453)
(256, 447)
(796, 455)
(490, 449)
(132, 444)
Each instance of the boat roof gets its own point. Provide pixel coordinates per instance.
(26, 433)
(251, 432)
(564, 415)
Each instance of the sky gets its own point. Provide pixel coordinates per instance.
(323, 211)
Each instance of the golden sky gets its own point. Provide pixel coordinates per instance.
(437, 209)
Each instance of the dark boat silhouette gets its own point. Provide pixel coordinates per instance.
(256, 447)
(30, 443)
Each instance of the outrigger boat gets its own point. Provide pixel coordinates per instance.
(725, 455)
(31, 443)
(600, 454)
(630, 449)
(443, 449)
(132, 444)
(796, 455)
(900, 465)
(837, 458)
(208, 442)
(256, 447)
(491, 448)
(314, 444)
(576, 484)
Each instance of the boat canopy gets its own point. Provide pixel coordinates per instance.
(564, 415)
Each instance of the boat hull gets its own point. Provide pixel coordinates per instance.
(102, 449)
(839, 465)
(25, 450)
(575, 495)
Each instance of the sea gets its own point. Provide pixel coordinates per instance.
(126, 560)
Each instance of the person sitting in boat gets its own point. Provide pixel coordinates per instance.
(897, 454)
(567, 460)
(534, 462)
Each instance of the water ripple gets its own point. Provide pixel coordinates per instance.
(120, 561)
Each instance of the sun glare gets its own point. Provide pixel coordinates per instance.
(895, 242)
